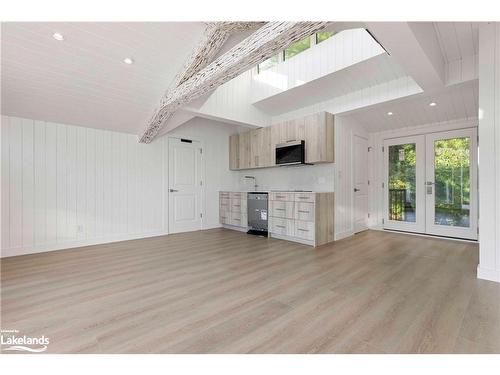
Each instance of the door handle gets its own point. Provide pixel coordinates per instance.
(356, 190)
(173, 190)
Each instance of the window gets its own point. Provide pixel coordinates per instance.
(266, 64)
(323, 36)
(297, 48)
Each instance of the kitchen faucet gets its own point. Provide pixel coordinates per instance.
(254, 181)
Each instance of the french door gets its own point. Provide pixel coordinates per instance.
(431, 184)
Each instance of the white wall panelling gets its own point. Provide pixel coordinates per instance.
(65, 186)
(383, 92)
(489, 152)
(344, 49)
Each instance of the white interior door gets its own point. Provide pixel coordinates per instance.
(185, 185)
(360, 183)
(451, 183)
(404, 196)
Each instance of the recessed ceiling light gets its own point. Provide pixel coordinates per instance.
(432, 104)
(58, 36)
(128, 61)
(389, 113)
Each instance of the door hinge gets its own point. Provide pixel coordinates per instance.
(201, 151)
(201, 215)
(383, 221)
(201, 183)
(382, 148)
(368, 215)
(383, 185)
(368, 182)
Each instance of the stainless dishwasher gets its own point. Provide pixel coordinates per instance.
(257, 213)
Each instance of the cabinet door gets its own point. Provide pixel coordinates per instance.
(255, 136)
(260, 148)
(289, 131)
(266, 150)
(244, 150)
(234, 156)
(319, 137)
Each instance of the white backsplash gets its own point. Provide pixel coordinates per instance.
(318, 177)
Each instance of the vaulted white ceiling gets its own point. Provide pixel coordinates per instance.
(457, 39)
(83, 80)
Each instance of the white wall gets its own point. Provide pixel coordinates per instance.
(65, 186)
(319, 177)
(344, 49)
(489, 152)
(376, 162)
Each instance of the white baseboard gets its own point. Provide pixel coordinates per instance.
(19, 250)
(488, 274)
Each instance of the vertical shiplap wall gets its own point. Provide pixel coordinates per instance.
(65, 186)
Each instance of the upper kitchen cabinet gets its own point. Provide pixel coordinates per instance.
(261, 149)
(319, 137)
(244, 151)
(234, 154)
(256, 148)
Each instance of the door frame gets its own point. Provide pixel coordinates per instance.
(167, 180)
(419, 225)
(470, 233)
(444, 230)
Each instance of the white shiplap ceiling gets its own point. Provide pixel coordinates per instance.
(457, 39)
(83, 80)
(453, 103)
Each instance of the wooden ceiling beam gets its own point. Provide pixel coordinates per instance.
(200, 76)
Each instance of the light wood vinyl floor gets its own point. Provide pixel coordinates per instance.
(222, 291)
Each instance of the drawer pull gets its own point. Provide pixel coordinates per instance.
(237, 205)
(279, 209)
(303, 230)
(303, 212)
(280, 226)
(280, 196)
(237, 219)
(303, 197)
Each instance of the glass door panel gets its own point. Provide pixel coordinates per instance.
(403, 189)
(452, 182)
(402, 182)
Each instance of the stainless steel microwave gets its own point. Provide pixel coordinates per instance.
(291, 153)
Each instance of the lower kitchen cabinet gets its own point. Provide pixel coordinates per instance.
(233, 209)
(303, 217)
